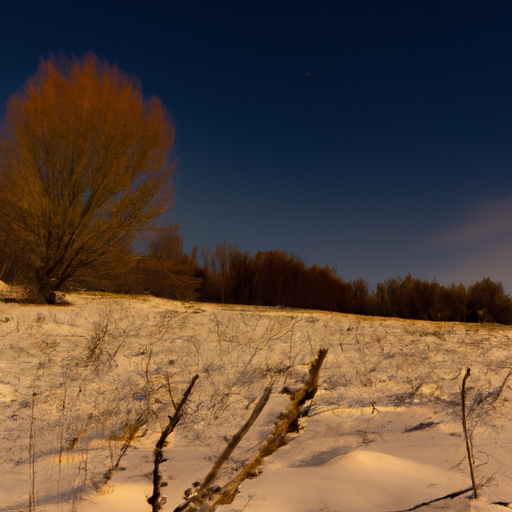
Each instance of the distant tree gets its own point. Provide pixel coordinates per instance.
(275, 278)
(407, 298)
(221, 254)
(166, 245)
(167, 271)
(13, 260)
(84, 167)
(241, 276)
(488, 302)
(387, 298)
(453, 303)
(361, 300)
(217, 274)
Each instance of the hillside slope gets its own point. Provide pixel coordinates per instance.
(383, 433)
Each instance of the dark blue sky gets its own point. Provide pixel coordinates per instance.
(374, 136)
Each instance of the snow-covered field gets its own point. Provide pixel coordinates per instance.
(384, 431)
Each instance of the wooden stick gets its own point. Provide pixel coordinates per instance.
(466, 434)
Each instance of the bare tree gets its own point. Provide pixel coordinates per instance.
(167, 245)
(84, 167)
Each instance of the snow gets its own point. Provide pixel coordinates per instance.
(383, 433)
(7, 291)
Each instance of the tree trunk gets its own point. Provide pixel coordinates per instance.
(46, 289)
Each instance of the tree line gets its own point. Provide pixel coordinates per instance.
(228, 275)
(274, 278)
(271, 278)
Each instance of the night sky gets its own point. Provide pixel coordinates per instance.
(372, 136)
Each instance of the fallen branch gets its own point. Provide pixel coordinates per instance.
(202, 491)
(286, 422)
(235, 440)
(421, 426)
(446, 497)
(156, 500)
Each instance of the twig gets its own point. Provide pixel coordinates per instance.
(32, 458)
(130, 433)
(61, 440)
(505, 504)
(247, 503)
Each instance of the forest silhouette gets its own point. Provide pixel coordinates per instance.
(275, 278)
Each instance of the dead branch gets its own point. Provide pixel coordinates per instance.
(233, 443)
(32, 457)
(285, 423)
(492, 396)
(156, 500)
(446, 497)
(130, 433)
(235, 440)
